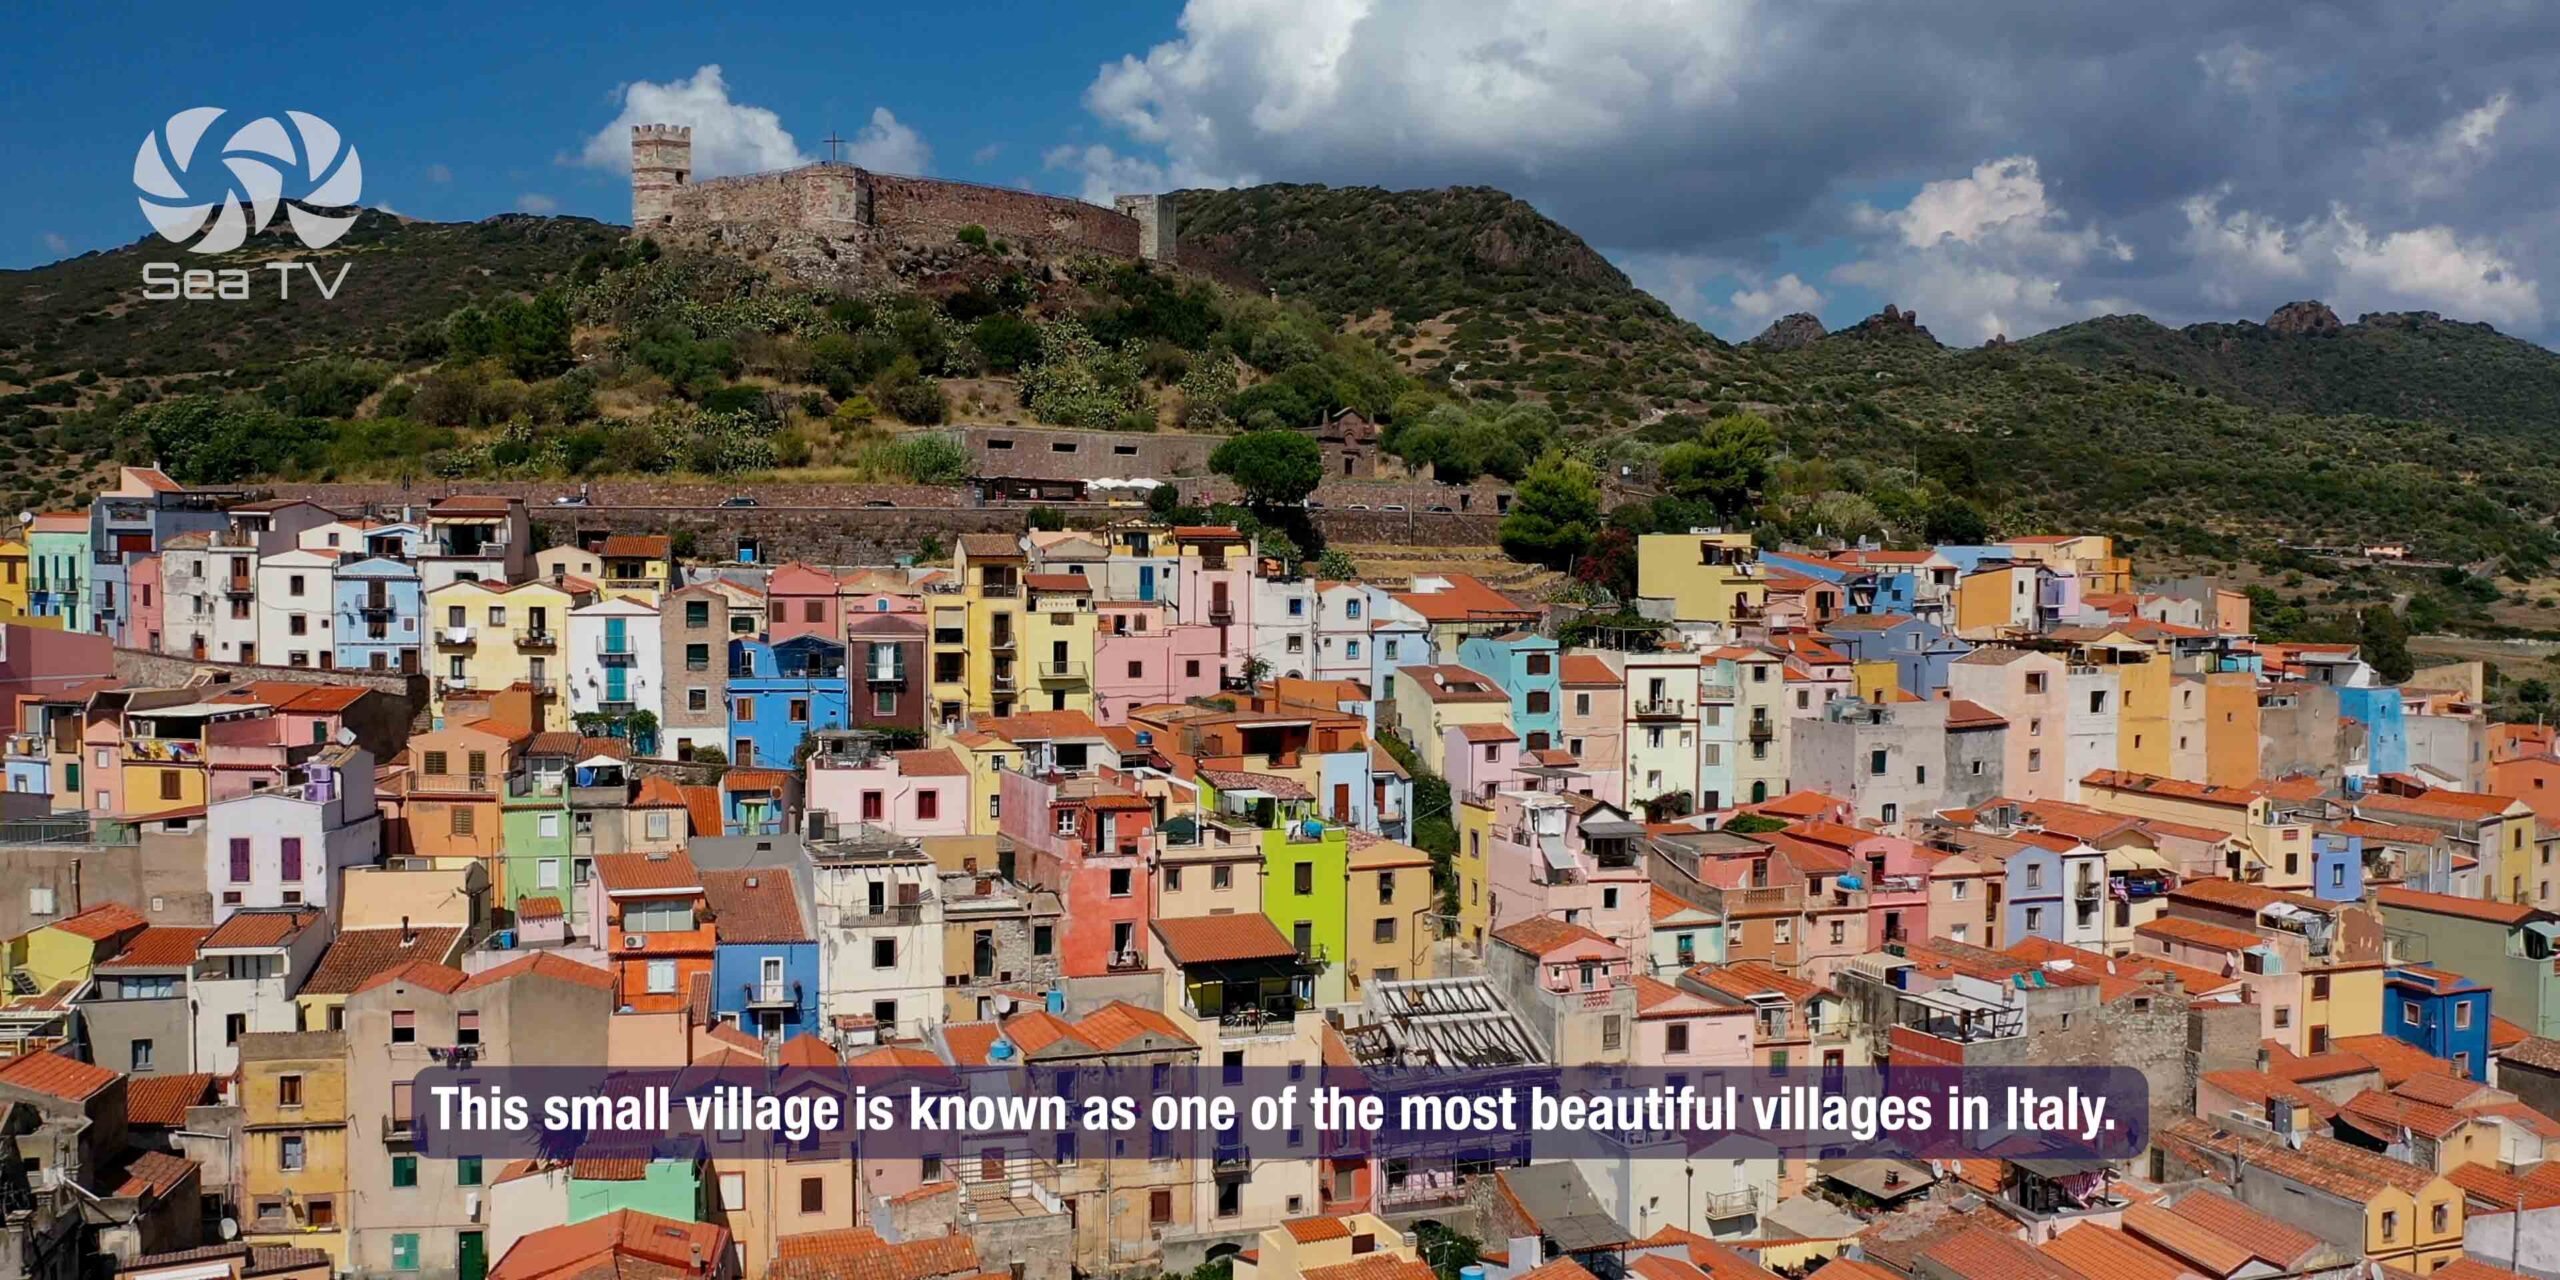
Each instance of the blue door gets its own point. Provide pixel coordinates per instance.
(1146, 582)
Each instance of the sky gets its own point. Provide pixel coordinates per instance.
(1999, 167)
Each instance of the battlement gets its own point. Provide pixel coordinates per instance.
(834, 220)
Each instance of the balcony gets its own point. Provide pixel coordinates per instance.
(1002, 640)
(1762, 729)
(1740, 1202)
(1061, 671)
(999, 590)
(613, 657)
(885, 915)
(1231, 1159)
(1662, 709)
(888, 676)
(1221, 613)
(537, 638)
(617, 708)
(400, 1129)
(373, 608)
(30, 745)
(761, 996)
(1127, 962)
(2088, 887)
(1002, 682)
(454, 684)
(238, 586)
(455, 637)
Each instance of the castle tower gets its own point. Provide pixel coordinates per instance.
(661, 161)
(1154, 215)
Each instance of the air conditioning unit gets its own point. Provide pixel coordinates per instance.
(634, 941)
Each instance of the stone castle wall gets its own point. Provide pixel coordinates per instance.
(932, 211)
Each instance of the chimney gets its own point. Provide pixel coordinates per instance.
(408, 936)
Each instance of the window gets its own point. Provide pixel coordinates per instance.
(1043, 939)
(2284, 1016)
(813, 1191)
(697, 699)
(1304, 877)
(733, 1191)
(1613, 1031)
(1159, 1207)
(2035, 759)
(239, 860)
(138, 1054)
(1222, 876)
(2035, 920)
(404, 1244)
(662, 977)
(2437, 1218)
(2390, 1225)
(1876, 762)
(2320, 986)
(2462, 1015)
(1675, 1038)
(40, 900)
(464, 819)
(884, 953)
(404, 1026)
(799, 711)
(288, 1091)
(661, 824)
(746, 709)
(1384, 930)
(404, 1171)
(466, 1027)
(289, 1153)
(169, 784)
(928, 805)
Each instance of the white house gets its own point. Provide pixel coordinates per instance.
(879, 932)
(286, 847)
(246, 974)
(616, 664)
(1342, 631)
(296, 594)
(1284, 625)
(207, 593)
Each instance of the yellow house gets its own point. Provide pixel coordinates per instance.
(2412, 1217)
(293, 1146)
(486, 635)
(1707, 577)
(2231, 728)
(1432, 700)
(13, 580)
(2247, 813)
(1393, 917)
(1877, 680)
(984, 754)
(67, 949)
(1474, 820)
(637, 565)
(2143, 733)
(2090, 556)
(1058, 633)
(1991, 600)
(978, 629)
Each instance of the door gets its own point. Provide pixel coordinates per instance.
(991, 1165)
(1342, 802)
(475, 1256)
(1146, 582)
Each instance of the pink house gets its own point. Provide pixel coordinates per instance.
(862, 591)
(915, 793)
(1143, 655)
(1593, 727)
(143, 600)
(802, 600)
(1483, 759)
(1568, 858)
(1893, 872)
(1217, 588)
(1676, 1028)
(1568, 957)
(37, 661)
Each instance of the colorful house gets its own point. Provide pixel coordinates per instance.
(613, 667)
(58, 568)
(1713, 578)
(1090, 841)
(2445, 1014)
(782, 693)
(1529, 668)
(764, 970)
(486, 635)
(380, 614)
(654, 932)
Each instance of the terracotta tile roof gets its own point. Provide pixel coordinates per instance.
(645, 872)
(1582, 669)
(1070, 583)
(1665, 904)
(608, 1169)
(56, 1076)
(754, 904)
(154, 1174)
(2473, 1269)
(1464, 598)
(657, 792)
(1800, 804)
(1542, 935)
(2384, 1114)
(1040, 726)
(2501, 1189)
(162, 1101)
(702, 809)
(634, 546)
(2267, 1239)
(471, 504)
(991, 546)
(2186, 1239)
(1448, 682)
(2174, 788)
(541, 964)
(1311, 1230)
(159, 947)
(2504, 1035)
(2443, 1091)
(1375, 1266)
(2197, 933)
(2396, 1059)
(542, 908)
(2091, 1249)
(2538, 1052)
(356, 955)
(598, 1247)
(932, 762)
(1852, 1269)
(101, 922)
(1973, 1251)
(969, 1041)
(428, 974)
(1752, 978)
(1190, 940)
(2332, 1065)
(1560, 1269)
(1239, 780)
(260, 929)
(2245, 897)
(2445, 904)
(753, 780)
(858, 1253)
(2259, 1087)
(2458, 806)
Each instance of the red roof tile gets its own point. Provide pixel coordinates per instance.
(260, 929)
(155, 1173)
(541, 964)
(596, 1247)
(159, 947)
(932, 762)
(101, 922)
(2445, 904)
(1216, 939)
(428, 974)
(356, 955)
(2093, 1249)
(754, 904)
(1543, 935)
(857, 1253)
(162, 1101)
(2266, 1239)
(645, 872)
(2197, 933)
(56, 1076)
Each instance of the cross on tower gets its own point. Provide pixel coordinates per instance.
(832, 142)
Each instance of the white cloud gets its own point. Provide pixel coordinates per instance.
(1103, 173)
(536, 202)
(1700, 288)
(728, 137)
(1983, 255)
(986, 153)
(1754, 306)
(56, 242)
(889, 146)
(439, 174)
(2339, 258)
(2441, 162)
(2235, 65)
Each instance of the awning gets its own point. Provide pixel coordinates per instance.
(1557, 855)
(2132, 858)
(1612, 829)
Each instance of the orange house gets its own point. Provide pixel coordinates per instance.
(456, 778)
(656, 938)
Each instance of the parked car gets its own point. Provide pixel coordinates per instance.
(740, 500)
(570, 500)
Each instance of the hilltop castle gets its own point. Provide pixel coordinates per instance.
(822, 220)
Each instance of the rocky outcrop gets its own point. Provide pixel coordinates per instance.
(1790, 333)
(1890, 324)
(2304, 319)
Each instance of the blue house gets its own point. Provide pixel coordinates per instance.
(1863, 588)
(2032, 885)
(782, 693)
(2337, 867)
(2443, 1013)
(378, 608)
(2386, 735)
(1530, 668)
(764, 969)
(1920, 650)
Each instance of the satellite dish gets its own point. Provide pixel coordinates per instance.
(26, 517)
(346, 736)
(230, 1228)
(1004, 1004)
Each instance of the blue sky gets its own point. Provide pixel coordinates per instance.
(1999, 167)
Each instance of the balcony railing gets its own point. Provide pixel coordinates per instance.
(621, 657)
(1740, 1202)
(1127, 961)
(1762, 729)
(999, 590)
(1062, 671)
(1002, 681)
(887, 676)
(30, 744)
(1221, 614)
(1662, 709)
(399, 1128)
(236, 587)
(537, 638)
(1004, 640)
(772, 995)
(452, 636)
(454, 684)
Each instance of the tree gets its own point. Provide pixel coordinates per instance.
(1555, 512)
(1274, 468)
(1726, 467)
(1337, 565)
(1163, 501)
(1954, 522)
(2383, 638)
